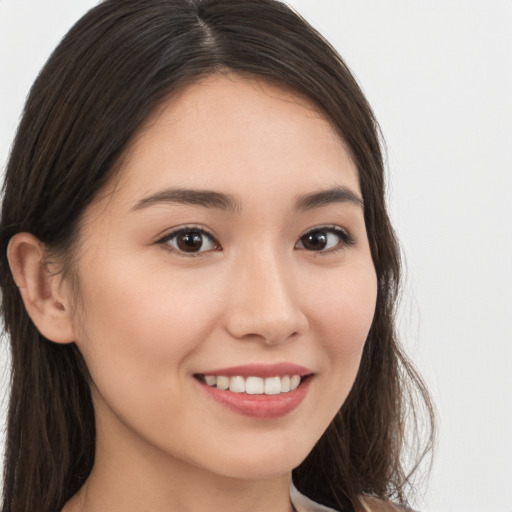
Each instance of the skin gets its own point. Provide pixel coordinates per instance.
(149, 317)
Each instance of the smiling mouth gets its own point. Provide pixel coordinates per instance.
(253, 385)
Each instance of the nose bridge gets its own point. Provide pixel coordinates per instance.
(264, 303)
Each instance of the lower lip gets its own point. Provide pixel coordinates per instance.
(259, 406)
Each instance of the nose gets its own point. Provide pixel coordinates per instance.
(264, 301)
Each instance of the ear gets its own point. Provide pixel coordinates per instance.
(40, 290)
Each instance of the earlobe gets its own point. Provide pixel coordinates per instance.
(39, 288)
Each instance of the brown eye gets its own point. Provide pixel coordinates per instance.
(316, 241)
(324, 240)
(190, 241)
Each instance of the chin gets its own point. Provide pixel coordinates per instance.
(261, 462)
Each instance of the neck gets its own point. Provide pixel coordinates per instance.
(130, 475)
(100, 494)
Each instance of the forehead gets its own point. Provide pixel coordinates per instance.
(228, 132)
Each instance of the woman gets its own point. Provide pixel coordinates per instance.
(199, 272)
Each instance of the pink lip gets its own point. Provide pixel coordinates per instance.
(259, 406)
(261, 370)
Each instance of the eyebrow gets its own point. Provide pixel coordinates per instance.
(222, 201)
(204, 198)
(326, 197)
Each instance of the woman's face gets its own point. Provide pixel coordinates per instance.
(230, 251)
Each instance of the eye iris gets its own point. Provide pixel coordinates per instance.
(191, 241)
(315, 241)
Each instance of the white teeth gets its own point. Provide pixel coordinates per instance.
(254, 385)
(211, 380)
(272, 386)
(294, 382)
(222, 382)
(237, 384)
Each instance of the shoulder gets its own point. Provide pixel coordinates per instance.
(372, 504)
(302, 503)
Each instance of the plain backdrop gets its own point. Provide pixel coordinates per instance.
(438, 74)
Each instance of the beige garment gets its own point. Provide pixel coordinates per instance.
(304, 504)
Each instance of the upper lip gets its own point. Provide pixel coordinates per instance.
(261, 370)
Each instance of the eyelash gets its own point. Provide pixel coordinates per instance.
(165, 241)
(345, 240)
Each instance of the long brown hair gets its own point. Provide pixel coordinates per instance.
(107, 75)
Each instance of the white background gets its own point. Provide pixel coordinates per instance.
(439, 76)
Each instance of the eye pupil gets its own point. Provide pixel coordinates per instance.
(191, 241)
(315, 241)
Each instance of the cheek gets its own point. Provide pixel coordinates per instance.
(137, 322)
(137, 338)
(344, 311)
(347, 304)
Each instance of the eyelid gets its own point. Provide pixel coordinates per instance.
(345, 237)
(163, 240)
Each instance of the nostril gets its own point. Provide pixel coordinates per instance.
(265, 317)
